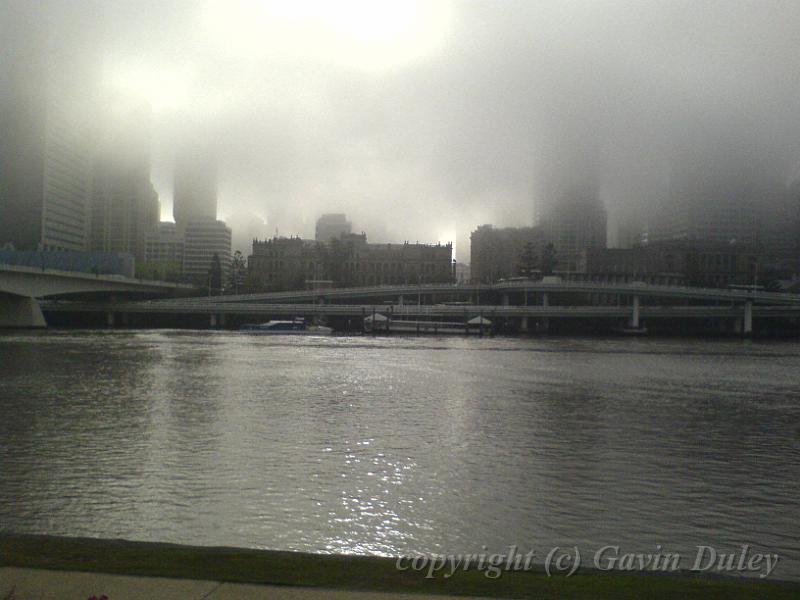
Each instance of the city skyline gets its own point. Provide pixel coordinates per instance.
(442, 298)
(457, 113)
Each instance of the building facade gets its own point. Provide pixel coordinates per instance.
(125, 207)
(202, 239)
(45, 136)
(704, 264)
(164, 245)
(125, 210)
(45, 176)
(289, 263)
(500, 253)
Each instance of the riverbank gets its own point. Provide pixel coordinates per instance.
(144, 569)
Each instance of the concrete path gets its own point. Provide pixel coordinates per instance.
(35, 584)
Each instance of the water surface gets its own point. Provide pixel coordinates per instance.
(402, 445)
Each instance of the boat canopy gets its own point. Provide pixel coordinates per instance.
(377, 317)
(479, 321)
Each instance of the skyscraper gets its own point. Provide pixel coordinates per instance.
(125, 206)
(576, 221)
(195, 211)
(45, 150)
(194, 186)
(739, 197)
(45, 174)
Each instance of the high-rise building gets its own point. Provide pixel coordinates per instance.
(332, 226)
(194, 186)
(695, 217)
(45, 177)
(627, 227)
(573, 223)
(737, 198)
(203, 238)
(125, 207)
(165, 246)
(45, 168)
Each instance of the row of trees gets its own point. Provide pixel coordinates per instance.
(531, 261)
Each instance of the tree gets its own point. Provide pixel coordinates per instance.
(159, 271)
(215, 276)
(549, 259)
(253, 282)
(238, 272)
(527, 260)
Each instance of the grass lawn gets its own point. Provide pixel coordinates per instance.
(239, 565)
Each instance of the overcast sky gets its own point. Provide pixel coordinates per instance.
(422, 120)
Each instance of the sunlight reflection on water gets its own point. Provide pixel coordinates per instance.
(401, 445)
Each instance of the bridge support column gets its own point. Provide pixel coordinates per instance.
(737, 325)
(110, 318)
(505, 299)
(400, 301)
(20, 311)
(213, 320)
(545, 320)
(748, 318)
(523, 325)
(634, 321)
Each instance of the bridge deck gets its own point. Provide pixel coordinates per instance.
(397, 312)
(410, 292)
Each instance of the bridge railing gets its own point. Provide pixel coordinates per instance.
(628, 289)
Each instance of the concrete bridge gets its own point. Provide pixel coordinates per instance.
(217, 314)
(518, 302)
(21, 286)
(519, 299)
(410, 293)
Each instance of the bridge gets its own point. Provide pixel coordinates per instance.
(21, 286)
(471, 291)
(517, 302)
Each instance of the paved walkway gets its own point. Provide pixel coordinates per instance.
(35, 584)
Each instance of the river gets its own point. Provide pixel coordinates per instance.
(402, 445)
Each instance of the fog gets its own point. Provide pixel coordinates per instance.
(422, 120)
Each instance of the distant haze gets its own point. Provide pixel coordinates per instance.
(422, 120)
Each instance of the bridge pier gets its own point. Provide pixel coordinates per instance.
(505, 299)
(523, 325)
(634, 320)
(545, 323)
(748, 318)
(213, 320)
(20, 311)
(110, 318)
